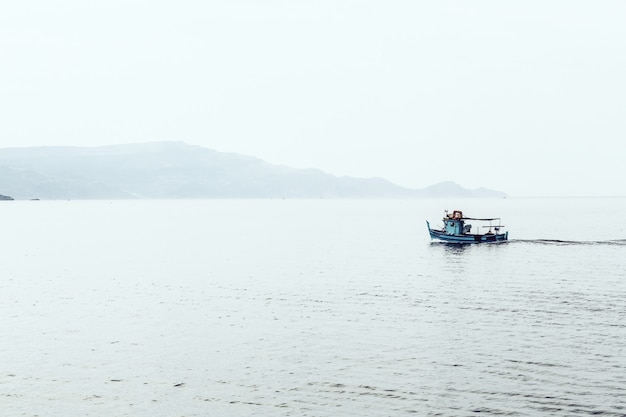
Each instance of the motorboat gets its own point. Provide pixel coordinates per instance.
(456, 230)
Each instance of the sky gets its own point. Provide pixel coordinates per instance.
(525, 97)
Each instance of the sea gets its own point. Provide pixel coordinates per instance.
(319, 307)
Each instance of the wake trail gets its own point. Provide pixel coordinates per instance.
(613, 242)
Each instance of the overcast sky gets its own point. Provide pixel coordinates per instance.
(526, 97)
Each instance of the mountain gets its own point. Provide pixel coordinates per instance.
(179, 170)
(452, 189)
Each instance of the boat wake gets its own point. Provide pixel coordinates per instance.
(615, 242)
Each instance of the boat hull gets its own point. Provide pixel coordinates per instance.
(467, 238)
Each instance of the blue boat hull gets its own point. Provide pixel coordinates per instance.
(467, 238)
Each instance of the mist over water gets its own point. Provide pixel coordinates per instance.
(311, 307)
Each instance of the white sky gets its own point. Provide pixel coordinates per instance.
(527, 97)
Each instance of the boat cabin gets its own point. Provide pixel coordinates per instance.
(455, 225)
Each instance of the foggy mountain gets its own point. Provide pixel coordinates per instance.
(178, 170)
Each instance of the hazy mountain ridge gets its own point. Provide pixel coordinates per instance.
(179, 170)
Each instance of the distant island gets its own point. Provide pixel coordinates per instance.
(170, 170)
(5, 198)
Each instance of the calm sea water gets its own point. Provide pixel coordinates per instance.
(311, 308)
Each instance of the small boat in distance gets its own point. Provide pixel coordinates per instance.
(455, 230)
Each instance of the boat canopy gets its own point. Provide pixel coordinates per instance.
(458, 215)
